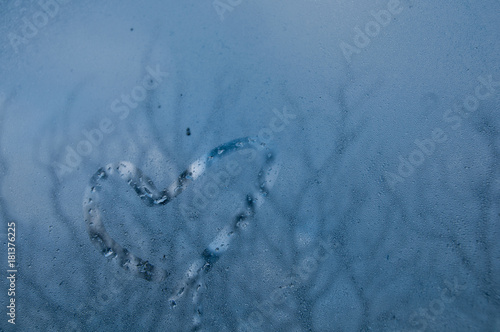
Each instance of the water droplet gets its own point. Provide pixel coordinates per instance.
(109, 253)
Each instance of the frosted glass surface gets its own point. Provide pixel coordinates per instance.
(236, 165)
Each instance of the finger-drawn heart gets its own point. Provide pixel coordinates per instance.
(151, 196)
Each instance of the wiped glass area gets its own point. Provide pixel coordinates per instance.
(232, 165)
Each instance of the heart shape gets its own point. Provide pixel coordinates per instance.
(151, 196)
